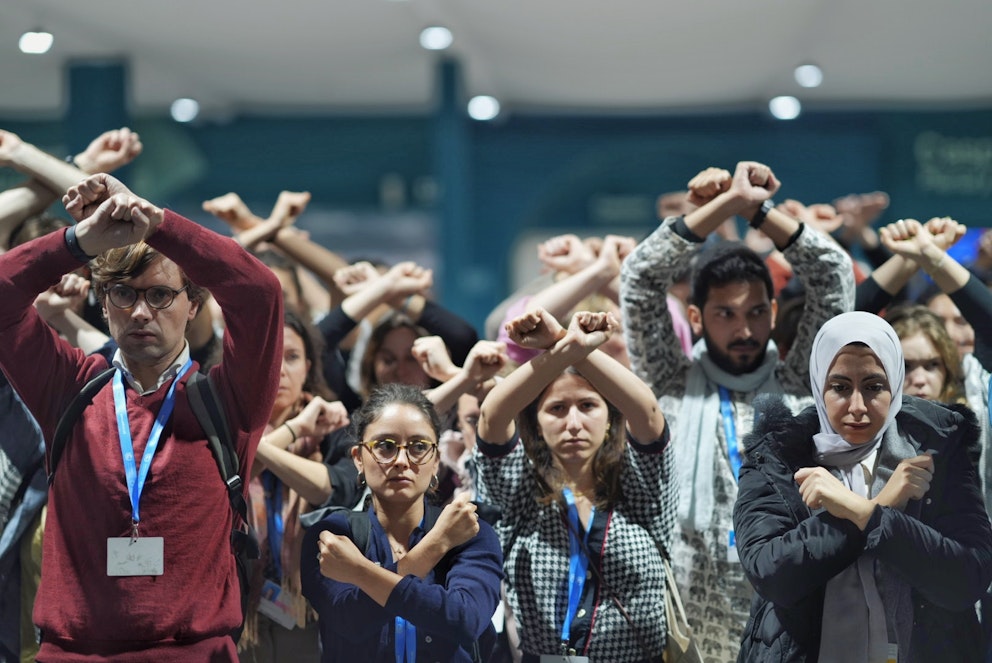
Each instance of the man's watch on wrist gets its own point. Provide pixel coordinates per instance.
(759, 216)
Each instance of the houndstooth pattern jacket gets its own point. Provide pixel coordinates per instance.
(535, 541)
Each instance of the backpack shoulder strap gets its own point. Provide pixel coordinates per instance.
(361, 529)
(71, 415)
(206, 405)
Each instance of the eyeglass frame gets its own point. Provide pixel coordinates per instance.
(427, 457)
(140, 292)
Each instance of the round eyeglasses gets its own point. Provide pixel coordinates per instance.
(386, 451)
(157, 296)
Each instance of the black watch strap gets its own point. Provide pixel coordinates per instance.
(73, 245)
(759, 216)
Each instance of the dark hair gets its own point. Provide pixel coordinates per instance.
(34, 227)
(726, 263)
(606, 466)
(389, 394)
(128, 262)
(388, 323)
(313, 349)
(274, 261)
(911, 319)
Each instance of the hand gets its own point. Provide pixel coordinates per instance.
(451, 446)
(109, 214)
(707, 185)
(820, 216)
(339, 557)
(565, 253)
(537, 330)
(754, 183)
(10, 144)
(109, 151)
(68, 294)
(485, 360)
(858, 212)
(590, 330)
(405, 279)
(910, 481)
(319, 417)
(289, 206)
(820, 489)
(458, 522)
(354, 277)
(615, 248)
(434, 359)
(945, 231)
(233, 211)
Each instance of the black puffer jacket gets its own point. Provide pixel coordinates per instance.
(941, 545)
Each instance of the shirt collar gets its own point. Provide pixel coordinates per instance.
(167, 374)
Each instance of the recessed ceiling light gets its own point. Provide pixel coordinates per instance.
(436, 38)
(809, 75)
(785, 108)
(185, 110)
(35, 43)
(483, 107)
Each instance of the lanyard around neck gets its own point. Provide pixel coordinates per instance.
(578, 565)
(405, 641)
(135, 476)
(730, 431)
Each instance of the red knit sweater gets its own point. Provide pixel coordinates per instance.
(186, 613)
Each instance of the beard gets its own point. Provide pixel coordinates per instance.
(740, 364)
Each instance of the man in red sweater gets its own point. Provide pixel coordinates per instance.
(137, 561)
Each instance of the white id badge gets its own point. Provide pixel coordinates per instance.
(893, 654)
(563, 658)
(271, 605)
(143, 556)
(732, 555)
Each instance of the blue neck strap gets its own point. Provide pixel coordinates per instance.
(135, 476)
(578, 563)
(406, 641)
(730, 431)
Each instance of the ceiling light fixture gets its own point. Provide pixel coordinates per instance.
(436, 38)
(483, 108)
(785, 108)
(809, 75)
(36, 42)
(185, 110)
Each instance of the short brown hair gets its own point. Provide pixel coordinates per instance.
(128, 262)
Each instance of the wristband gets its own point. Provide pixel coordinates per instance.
(291, 431)
(759, 216)
(71, 160)
(72, 244)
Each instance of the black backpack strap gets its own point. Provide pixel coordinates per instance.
(71, 415)
(206, 405)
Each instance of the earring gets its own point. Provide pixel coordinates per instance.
(361, 480)
(435, 482)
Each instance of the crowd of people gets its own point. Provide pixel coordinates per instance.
(796, 418)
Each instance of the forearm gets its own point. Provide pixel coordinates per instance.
(893, 275)
(307, 477)
(360, 304)
(376, 582)
(560, 298)
(625, 391)
(54, 173)
(949, 275)
(446, 394)
(314, 257)
(423, 557)
(706, 219)
(19, 203)
(77, 331)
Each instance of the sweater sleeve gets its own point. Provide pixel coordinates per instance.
(251, 298)
(464, 605)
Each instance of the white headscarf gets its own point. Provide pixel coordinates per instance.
(839, 331)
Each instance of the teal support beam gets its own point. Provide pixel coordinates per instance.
(459, 263)
(98, 97)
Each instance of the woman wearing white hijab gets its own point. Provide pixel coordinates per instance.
(860, 522)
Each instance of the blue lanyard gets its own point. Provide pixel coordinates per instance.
(578, 563)
(730, 431)
(273, 518)
(135, 477)
(406, 641)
